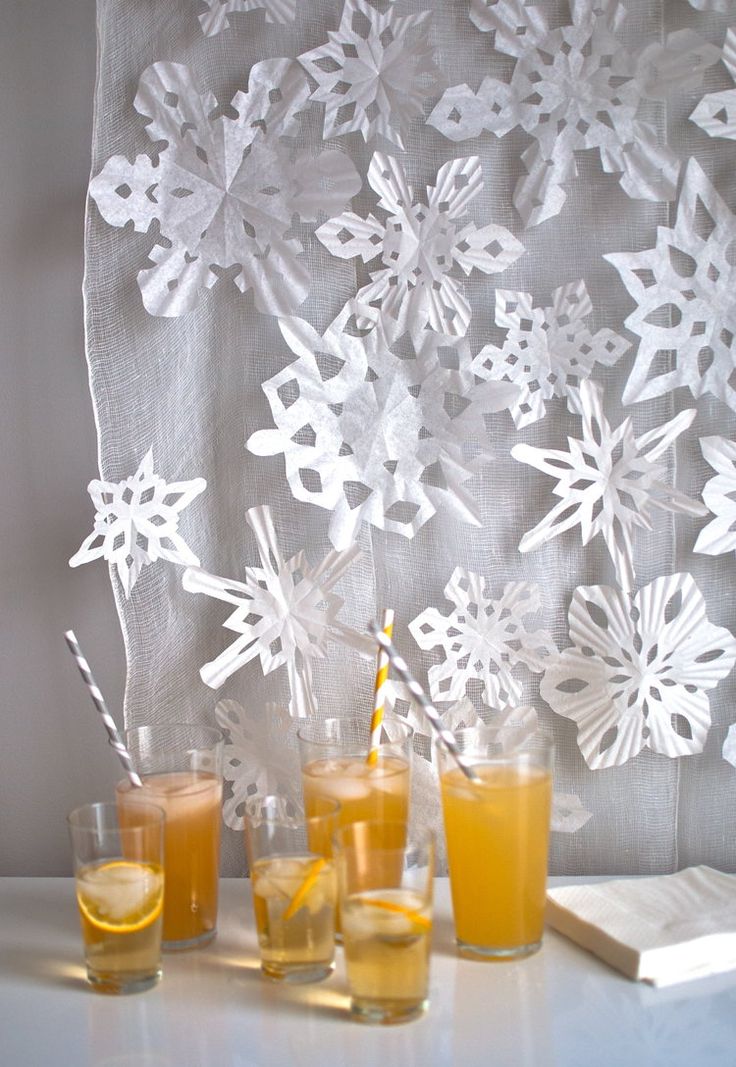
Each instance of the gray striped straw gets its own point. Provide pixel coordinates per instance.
(400, 666)
(98, 700)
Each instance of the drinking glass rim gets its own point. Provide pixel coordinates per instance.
(360, 720)
(299, 819)
(537, 741)
(110, 808)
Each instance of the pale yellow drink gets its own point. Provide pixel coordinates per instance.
(120, 909)
(497, 837)
(365, 793)
(191, 801)
(294, 906)
(386, 936)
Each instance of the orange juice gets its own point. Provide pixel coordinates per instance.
(366, 793)
(497, 833)
(191, 801)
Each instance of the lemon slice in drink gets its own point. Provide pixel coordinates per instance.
(121, 896)
(416, 918)
(302, 892)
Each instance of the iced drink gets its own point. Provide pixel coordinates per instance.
(497, 832)
(191, 801)
(294, 905)
(365, 793)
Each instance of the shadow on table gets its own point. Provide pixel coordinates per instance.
(36, 966)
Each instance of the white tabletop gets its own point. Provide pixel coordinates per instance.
(560, 1008)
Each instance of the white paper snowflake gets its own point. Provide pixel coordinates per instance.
(716, 112)
(729, 746)
(719, 495)
(224, 189)
(568, 813)
(608, 483)
(637, 674)
(374, 437)
(136, 522)
(548, 351)
(684, 290)
(260, 756)
(482, 639)
(375, 72)
(724, 6)
(285, 613)
(215, 19)
(419, 244)
(573, 88)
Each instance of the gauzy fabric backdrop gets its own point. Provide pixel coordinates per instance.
(519, 220)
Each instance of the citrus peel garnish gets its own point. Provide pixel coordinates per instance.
(142, 914)
(302, 892)
(422, 921)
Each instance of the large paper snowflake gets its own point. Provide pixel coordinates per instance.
(374, 437)
(136, 522)
(419, 244)
(716, 112)
(216, 19)
(224, 189)
(608, 482)
(547, 351)
(719, 495)
(482, 639)
(573, 88)
(375, 72)
(637, 674)
(260, 756)
(285, 613)
(685, 291)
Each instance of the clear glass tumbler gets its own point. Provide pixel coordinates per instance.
(181, 768)
(119, 876)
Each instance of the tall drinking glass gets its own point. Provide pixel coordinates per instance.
(120, 889)
(497, 833)
(181, 768)
(385, 880)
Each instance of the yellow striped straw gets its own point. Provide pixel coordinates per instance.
(382, 667)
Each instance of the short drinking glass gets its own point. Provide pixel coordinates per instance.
(294, 887)
(120, 890)
(497, 832)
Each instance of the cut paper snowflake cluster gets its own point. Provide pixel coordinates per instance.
(716, 112)
(483, 639)
(575, 87)
(260, 756)
(548, 351)
(374, 73)
(136, 523)
(684, 291)
(215, 19)
(373, 437)
(639, 670)
(285, 613)
(719, 496)
(224, 189)
(608, 483)
(419, 245)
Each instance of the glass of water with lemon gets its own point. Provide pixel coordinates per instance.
(120, 892)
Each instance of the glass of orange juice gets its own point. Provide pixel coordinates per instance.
(497, 832)
(120, 890)
(181, 768)
(294, 887)
(385, 880)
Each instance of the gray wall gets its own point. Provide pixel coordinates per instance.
(53, 753)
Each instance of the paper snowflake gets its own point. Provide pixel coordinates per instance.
(729, 746)
(419, 244)
(568, 813)
(716, 112)
(608, 483)
(285, 613)
(725, 6)
(260, 756)
(224, 189)
(573, 88)
(684, 291)
(375, 72)
(482, 639)
(215, 18)
(547, 351)
(719, 495)
(374, 437)
(136, 522)
(637, 674)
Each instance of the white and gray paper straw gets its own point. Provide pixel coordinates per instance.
(400, 666)
(98, 700)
